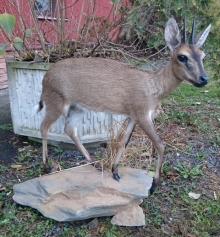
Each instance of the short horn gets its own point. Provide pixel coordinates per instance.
(184, 30)
(193, 31)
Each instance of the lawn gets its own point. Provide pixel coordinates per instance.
(189, 125)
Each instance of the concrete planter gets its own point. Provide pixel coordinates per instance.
(24, 82)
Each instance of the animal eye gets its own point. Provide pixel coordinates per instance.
(182, 58)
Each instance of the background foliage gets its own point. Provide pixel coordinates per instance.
(148, 19)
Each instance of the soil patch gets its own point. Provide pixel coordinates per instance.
(9, 144)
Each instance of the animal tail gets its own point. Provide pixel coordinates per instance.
(40, 106)
(37, 108)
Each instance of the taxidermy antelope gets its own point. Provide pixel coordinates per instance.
(108, 85)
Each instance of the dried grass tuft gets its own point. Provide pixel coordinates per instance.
(138, 153)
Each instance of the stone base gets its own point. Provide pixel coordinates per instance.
(84, 192)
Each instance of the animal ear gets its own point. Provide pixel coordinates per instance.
(201, 37)
(172, 34)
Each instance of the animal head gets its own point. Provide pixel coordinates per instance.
(185, 55)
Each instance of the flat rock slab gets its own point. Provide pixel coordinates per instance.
(84, 192)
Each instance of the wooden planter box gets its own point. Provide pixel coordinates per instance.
(25, 86)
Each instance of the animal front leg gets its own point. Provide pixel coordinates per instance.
(125, 139)
(147, 125)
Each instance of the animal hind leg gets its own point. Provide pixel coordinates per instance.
(71, 132)
(51, 115)
(125, 139)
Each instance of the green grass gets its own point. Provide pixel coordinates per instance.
(190, 95)
(205, 214)
(191, 106)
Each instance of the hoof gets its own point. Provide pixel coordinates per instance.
(116, 176)
(47, 169)
(153, 187)
(98, 166)
(104, 145)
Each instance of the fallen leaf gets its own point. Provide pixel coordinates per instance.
(102, 229)
(179, 228)
(16, 166)
(194, 195)
(172, 175)
(24, 168)
(32, 227)
(25, 214)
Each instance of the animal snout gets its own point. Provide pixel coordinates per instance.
(203, 80)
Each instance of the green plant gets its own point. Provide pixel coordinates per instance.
(7, 23)
(188, 172)
(112, 232)
(6, 127)
(166, 167)
(215, 140)
(3, 168)
(58, 149)
(200, 155)
(80, 232)
(30, 172)
(21, 158)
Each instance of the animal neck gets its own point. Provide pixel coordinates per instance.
(166, 80)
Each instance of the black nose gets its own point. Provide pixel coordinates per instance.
(203, 80)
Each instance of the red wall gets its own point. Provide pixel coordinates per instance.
(101, 10)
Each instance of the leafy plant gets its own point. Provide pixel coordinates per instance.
(6, 127)
(200, 155)
(166, 167)
(187, 171)
(216, 140)
(148, 18)
(3, 168)
(58, 149)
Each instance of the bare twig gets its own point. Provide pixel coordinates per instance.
(79, 23)
(34, 15)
